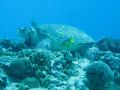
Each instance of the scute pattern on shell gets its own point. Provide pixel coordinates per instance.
(60, 33)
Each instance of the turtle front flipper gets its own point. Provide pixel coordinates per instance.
(44, 44)
(35, 25)
(41, 33)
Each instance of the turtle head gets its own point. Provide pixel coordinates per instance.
(24, 31)
(29, 36)
(40, 31)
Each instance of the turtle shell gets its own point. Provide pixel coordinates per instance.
(59, 34)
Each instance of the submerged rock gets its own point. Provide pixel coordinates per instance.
(4, 81)
(25, 53)
(113, 60)
(36, 68)
(5, 43)
(31, 82)
(11, 45)
(109, 44)
(40, 88)
(20, 68)
(42, 60)
(16, 86)
(117, 78)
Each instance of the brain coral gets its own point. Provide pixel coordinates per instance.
(99, 75)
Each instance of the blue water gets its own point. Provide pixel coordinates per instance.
(99, 18)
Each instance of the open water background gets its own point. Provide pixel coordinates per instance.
(99, 18)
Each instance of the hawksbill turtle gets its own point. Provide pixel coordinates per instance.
(60, 37)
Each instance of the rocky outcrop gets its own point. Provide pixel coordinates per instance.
(109, 44)
(41, 69)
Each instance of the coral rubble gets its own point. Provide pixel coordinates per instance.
(96, 67)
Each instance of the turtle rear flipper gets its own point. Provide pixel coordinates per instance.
(42, 35)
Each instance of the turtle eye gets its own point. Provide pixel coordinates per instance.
(23, 31)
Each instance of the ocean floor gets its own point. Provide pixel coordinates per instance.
(95, 68)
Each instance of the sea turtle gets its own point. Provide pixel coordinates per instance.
(60, 37)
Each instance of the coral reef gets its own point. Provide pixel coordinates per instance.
(12, 46)
(109, 44)
(99, 75)
(31, 82)
(93, 67)
(20, 68)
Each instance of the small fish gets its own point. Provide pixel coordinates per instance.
(68, 41)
